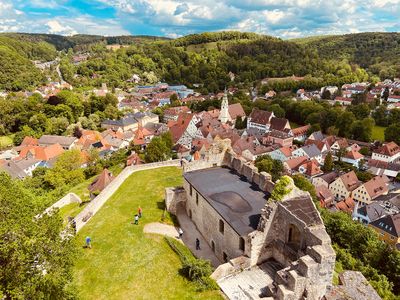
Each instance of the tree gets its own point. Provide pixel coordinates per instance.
(360, 111)
(343, 123)
(157, 150)
(36, 260)
(19, 136)
(326, 94)
(362, 130)
(66, 171)
(305, 185)
(274, 167)
(392, 133)
(328, 163)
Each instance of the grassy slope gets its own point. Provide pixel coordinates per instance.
(378, 133)
(124, 263)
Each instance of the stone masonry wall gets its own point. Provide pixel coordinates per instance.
(67, 199)
(174, 196)
(207, 220)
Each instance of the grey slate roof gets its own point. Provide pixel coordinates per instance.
(64, 141)
(311, 150)
(236, 200)
(12, 169)
(121, 123)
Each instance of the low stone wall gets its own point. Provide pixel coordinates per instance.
(233, 266)
(67, 199)
(94, 206)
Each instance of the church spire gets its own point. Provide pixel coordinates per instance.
(224, 113)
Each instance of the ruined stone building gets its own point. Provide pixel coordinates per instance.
(267, 248)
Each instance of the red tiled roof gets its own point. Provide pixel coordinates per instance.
(312, 168)
(260, 116)
(278, 123)
(180, 126)
(287, 151)
(42, 153)
(377, 186)
(173, 111)
(296, 162)
(389, 149)
(236, 110)
(354, 155)
(300, 130)
(29, 141)
(346, 205)
(350, 181)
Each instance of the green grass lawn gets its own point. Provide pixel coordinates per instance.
(124, 263)
(378, 133)
(5, 141)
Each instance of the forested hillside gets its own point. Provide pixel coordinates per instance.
(205, 58)
(250, 57)
(377, 52)
(16, 69)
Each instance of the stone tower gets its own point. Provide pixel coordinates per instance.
(224, 113)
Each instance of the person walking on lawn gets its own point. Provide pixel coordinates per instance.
(136, 220)
(140, 212)
(88, 242)
(180, 232)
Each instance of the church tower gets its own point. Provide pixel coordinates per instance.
(224, 113)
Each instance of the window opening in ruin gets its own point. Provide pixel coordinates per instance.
(221, 226)
(241, 243)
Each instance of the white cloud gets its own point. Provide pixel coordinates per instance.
(284, 18)
(56, 28)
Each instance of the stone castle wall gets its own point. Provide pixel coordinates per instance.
(207, 221)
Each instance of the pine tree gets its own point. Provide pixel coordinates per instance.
(328, 163)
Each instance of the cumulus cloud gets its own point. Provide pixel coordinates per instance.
(56, 28)
(283, 18)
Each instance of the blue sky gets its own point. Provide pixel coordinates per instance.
(173, 18)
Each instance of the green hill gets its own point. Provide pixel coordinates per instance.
(377, 52)
(205, 58)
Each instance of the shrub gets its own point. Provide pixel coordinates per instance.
(281, 188)
(196, 270)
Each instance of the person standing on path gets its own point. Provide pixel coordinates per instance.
(140, 212)
(180, 232)
(136, 220)
(197, 244)
(88, 242)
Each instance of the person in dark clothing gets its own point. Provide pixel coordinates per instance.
(73, 225)
(197, 244)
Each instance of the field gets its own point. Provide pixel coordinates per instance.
(124, 263)
(378, 133)
(5, 141)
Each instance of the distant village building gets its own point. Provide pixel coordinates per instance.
(388, 229)
(389, 153)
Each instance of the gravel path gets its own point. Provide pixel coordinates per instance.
(160, 228)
